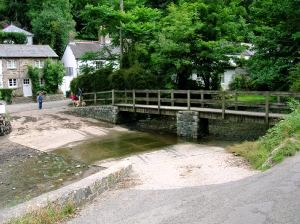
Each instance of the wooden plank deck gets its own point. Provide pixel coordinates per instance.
(205, 110)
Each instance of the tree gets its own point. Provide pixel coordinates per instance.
(276, 38)
(15, 11)
(53, 74)
(196, 37)
(52, 23)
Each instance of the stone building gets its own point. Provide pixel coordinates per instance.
(14, 61)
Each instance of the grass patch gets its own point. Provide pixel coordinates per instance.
(251, 98)
(280, 141)
(49, 215)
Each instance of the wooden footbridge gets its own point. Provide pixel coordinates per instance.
(260, 107)
(192, 108)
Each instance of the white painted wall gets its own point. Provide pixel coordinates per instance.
(228, 77)
(29, 40)
(1, 75)
(68, 60)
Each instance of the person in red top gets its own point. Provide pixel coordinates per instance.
(74, 99)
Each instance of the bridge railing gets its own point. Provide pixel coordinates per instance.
(267, 102)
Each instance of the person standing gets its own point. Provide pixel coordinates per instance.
(40, 100)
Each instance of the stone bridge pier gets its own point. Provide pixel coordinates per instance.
(190, 125)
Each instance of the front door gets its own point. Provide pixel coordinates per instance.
(27, 91)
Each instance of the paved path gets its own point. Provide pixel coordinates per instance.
(14, 108)
(266, 198)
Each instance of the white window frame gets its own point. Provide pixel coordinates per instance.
(12, 83)
(11, 64)
(27, 83)
(39, 64)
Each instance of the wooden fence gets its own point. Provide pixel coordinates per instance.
(267, 102)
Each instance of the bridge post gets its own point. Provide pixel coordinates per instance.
(189, 99)
(158, 101)
(147, 97)
(190, 125)
(172, 97)
(223, 105)
(112, 97)
(267, 108)
(133, 99)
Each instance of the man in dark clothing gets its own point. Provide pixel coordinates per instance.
(40, 100)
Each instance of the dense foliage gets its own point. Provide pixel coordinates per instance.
(173, 39)
(34, 74)
(276, 38)
(241, 82)
(53, 74)
(12, 38)
(6, 95)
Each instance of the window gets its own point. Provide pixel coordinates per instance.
(12, 83)
(42, 82)
(99, 64)
(39, 64)
(26, 81)
(11, 64)
(69, 71)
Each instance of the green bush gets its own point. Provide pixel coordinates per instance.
(134, 77)
(105, 79)
(241, 82)
(295, 79)
(34, 75)
(281, 141)
(95, 81)
(53, 74)
(12, 38)
(6, 95)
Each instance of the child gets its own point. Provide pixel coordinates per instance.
(39, 99)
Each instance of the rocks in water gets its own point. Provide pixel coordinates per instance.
(5, 125)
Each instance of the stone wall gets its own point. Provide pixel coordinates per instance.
(164, 124)
(19, 73)
(189, 125)
(5, 126)
(77, 193)
(109, 114)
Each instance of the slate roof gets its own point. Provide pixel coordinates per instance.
(26, 51)
(13, 28)
(79, 49)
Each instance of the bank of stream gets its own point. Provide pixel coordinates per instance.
(26, 173)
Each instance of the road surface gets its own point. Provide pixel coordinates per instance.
(13, 108)
(266, 198)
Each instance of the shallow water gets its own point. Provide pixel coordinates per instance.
(118, 144)
(35, 174)
(29, 176)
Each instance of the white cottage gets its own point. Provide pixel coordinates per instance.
(13, 29)
(231, 72)
(73, 58)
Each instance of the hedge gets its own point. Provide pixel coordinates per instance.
(6, 95)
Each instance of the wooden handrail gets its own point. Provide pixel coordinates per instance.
(224, 100)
